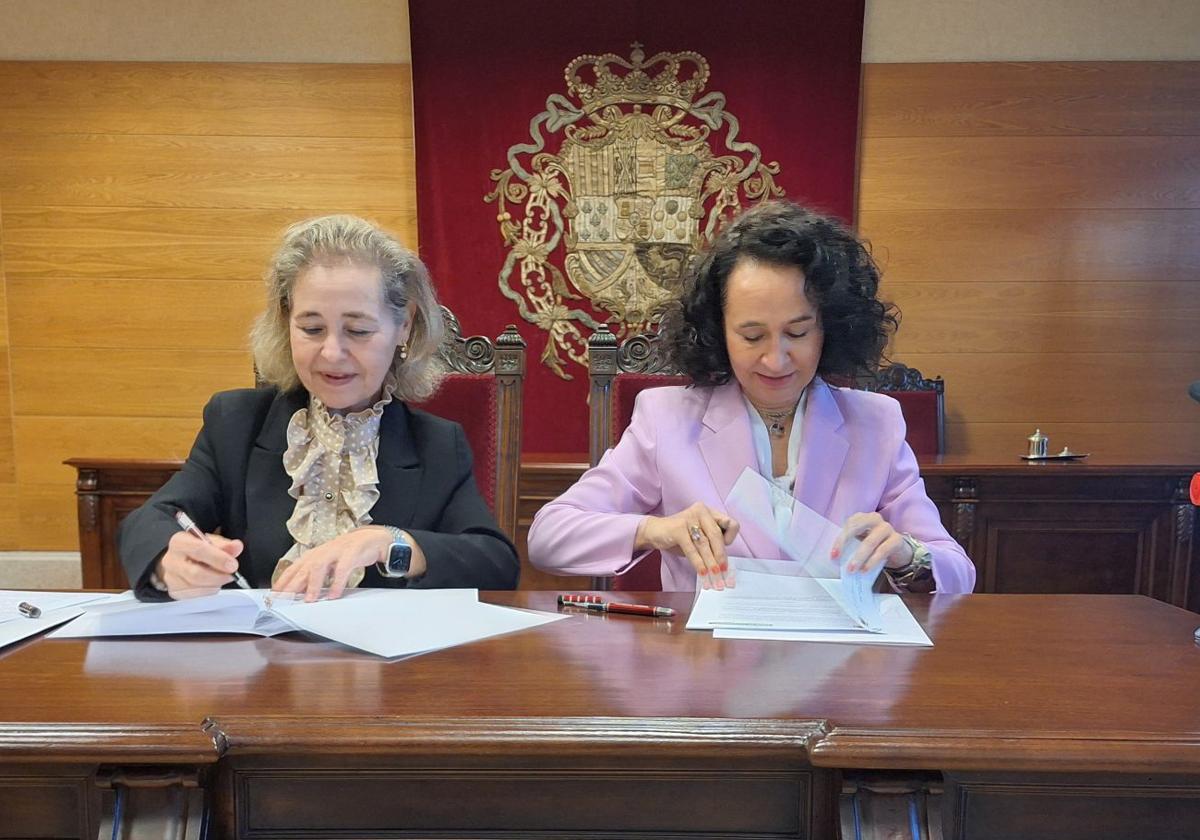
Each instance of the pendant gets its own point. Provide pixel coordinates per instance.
(776, 428)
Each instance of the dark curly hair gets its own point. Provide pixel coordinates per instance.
(840, 278)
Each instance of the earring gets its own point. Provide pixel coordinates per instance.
(404, 351)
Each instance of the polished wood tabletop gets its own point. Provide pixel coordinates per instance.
(1057, 682)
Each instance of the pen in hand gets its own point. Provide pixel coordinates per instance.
(186, 523)
(593, 602)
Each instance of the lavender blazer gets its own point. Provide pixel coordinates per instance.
(686, 445)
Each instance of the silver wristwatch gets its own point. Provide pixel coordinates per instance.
(396, 562)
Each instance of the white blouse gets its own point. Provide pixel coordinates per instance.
(782, 500)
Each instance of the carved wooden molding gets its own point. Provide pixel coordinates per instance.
(1185, 512)
(602, 351)
(89, 510)
(87, 481)
(510, 352)
(148, 777)
(1185, 518)
(166, 803)
(645, 353)
(1082, 752)
(182, 744)
(476, 354)
(879, 807)
(966, 498)
(476, 736)
(898, 377)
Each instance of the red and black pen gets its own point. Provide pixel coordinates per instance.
(593, 602)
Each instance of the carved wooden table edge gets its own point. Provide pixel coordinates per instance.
(483, 735)
(1000, 751)
(92, 742)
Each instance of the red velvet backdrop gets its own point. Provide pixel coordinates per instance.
(483, 69)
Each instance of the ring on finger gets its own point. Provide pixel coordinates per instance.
(696, 533)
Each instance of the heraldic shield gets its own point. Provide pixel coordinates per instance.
(612, 203)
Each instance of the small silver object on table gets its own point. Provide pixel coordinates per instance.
(1039, 444)
(1039, 450)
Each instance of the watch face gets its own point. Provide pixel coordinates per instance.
(399, 558)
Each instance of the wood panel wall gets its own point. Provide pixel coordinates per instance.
(138, 206)
(1039, 226)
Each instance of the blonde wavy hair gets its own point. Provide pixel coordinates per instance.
(331, 239)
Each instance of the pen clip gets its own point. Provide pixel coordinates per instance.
(569, 599)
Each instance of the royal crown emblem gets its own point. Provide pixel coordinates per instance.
(621, 190)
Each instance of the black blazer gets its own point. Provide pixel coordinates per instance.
(234, 483)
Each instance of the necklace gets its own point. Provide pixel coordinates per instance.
(778, 420)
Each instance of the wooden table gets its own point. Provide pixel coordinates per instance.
(1033, 716)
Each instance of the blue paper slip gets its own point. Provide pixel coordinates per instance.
(858, 589)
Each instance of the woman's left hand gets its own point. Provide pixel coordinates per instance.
(881, 543)
(332, 562)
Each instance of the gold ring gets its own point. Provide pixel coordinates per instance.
(697, 534)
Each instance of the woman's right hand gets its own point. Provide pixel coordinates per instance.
(700, 534)
(191, 567)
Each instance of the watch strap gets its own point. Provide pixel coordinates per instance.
(918, 568)
(384, 565)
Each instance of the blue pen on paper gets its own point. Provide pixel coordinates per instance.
(186, 523)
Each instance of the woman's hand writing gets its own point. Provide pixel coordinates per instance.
(192, 567)
(700, 533)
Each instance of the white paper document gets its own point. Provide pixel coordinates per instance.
(227, 611)
(899, 628)
(379, 622)
(11, 599)
(773, 599)
(386, 622)
(800, 534)
(55, 607)
(770, 602)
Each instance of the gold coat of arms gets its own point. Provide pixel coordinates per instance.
(632, 192)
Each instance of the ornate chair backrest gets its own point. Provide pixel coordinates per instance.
(618, 372)
(483, 393)
(922, 402)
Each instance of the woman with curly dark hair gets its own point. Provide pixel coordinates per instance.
(784, 301)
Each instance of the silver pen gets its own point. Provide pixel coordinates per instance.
(186, 523)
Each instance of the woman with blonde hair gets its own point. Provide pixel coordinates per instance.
(326, 478)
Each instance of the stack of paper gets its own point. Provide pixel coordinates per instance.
(771, 601)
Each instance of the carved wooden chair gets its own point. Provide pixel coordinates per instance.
(619, 371)
(484, 393)
(922, 402)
